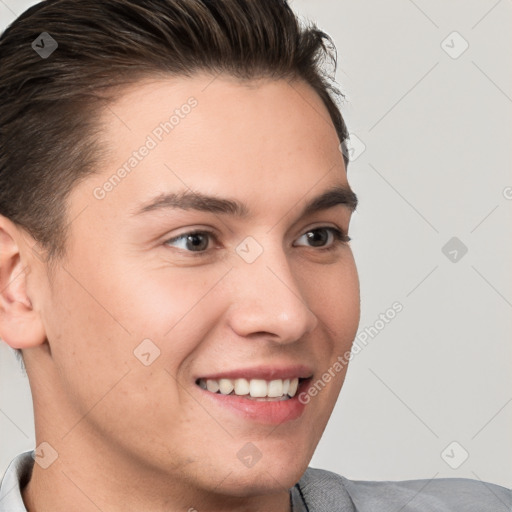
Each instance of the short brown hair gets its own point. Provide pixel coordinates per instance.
(49, 107)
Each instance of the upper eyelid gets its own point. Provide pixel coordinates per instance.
(214, 235)
(214, 232)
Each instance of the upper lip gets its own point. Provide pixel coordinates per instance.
(265, 372)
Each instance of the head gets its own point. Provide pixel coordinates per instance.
(171, 192)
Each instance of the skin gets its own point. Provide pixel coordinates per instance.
(134, 437)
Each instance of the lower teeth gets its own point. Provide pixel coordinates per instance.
(258, 399)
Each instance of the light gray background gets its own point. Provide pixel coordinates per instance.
(436, 164)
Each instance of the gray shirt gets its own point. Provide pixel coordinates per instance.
(323, 491)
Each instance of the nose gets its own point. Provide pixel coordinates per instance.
(267, 300)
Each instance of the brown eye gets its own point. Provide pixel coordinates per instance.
(195, 241)
(318, 238)
(327, 237)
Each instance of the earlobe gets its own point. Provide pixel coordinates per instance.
(20, 324)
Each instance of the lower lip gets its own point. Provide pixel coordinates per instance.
(264, 412)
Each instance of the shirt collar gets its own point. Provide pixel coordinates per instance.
(15, 478)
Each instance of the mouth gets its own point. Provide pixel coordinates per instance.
(268, 395)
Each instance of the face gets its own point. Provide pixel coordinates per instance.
(164, 292)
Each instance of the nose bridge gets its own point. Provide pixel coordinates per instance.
(268, 298)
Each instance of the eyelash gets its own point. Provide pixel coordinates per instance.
(340, 238)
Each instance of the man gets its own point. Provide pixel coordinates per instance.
(174, 261)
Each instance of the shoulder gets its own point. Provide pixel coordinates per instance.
(435, 495)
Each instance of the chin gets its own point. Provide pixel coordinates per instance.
(259, 483)
(267, 476)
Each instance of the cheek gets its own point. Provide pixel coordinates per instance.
(95, 325)
(89, 339)
(162, 301)
(345, 311)
(333, 292)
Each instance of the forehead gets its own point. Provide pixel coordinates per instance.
(217, 135)
(220, 109)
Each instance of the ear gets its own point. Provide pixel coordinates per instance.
(20, 324)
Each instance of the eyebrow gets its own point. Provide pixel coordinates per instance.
(189, 200)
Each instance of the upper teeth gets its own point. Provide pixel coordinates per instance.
(256, 388)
